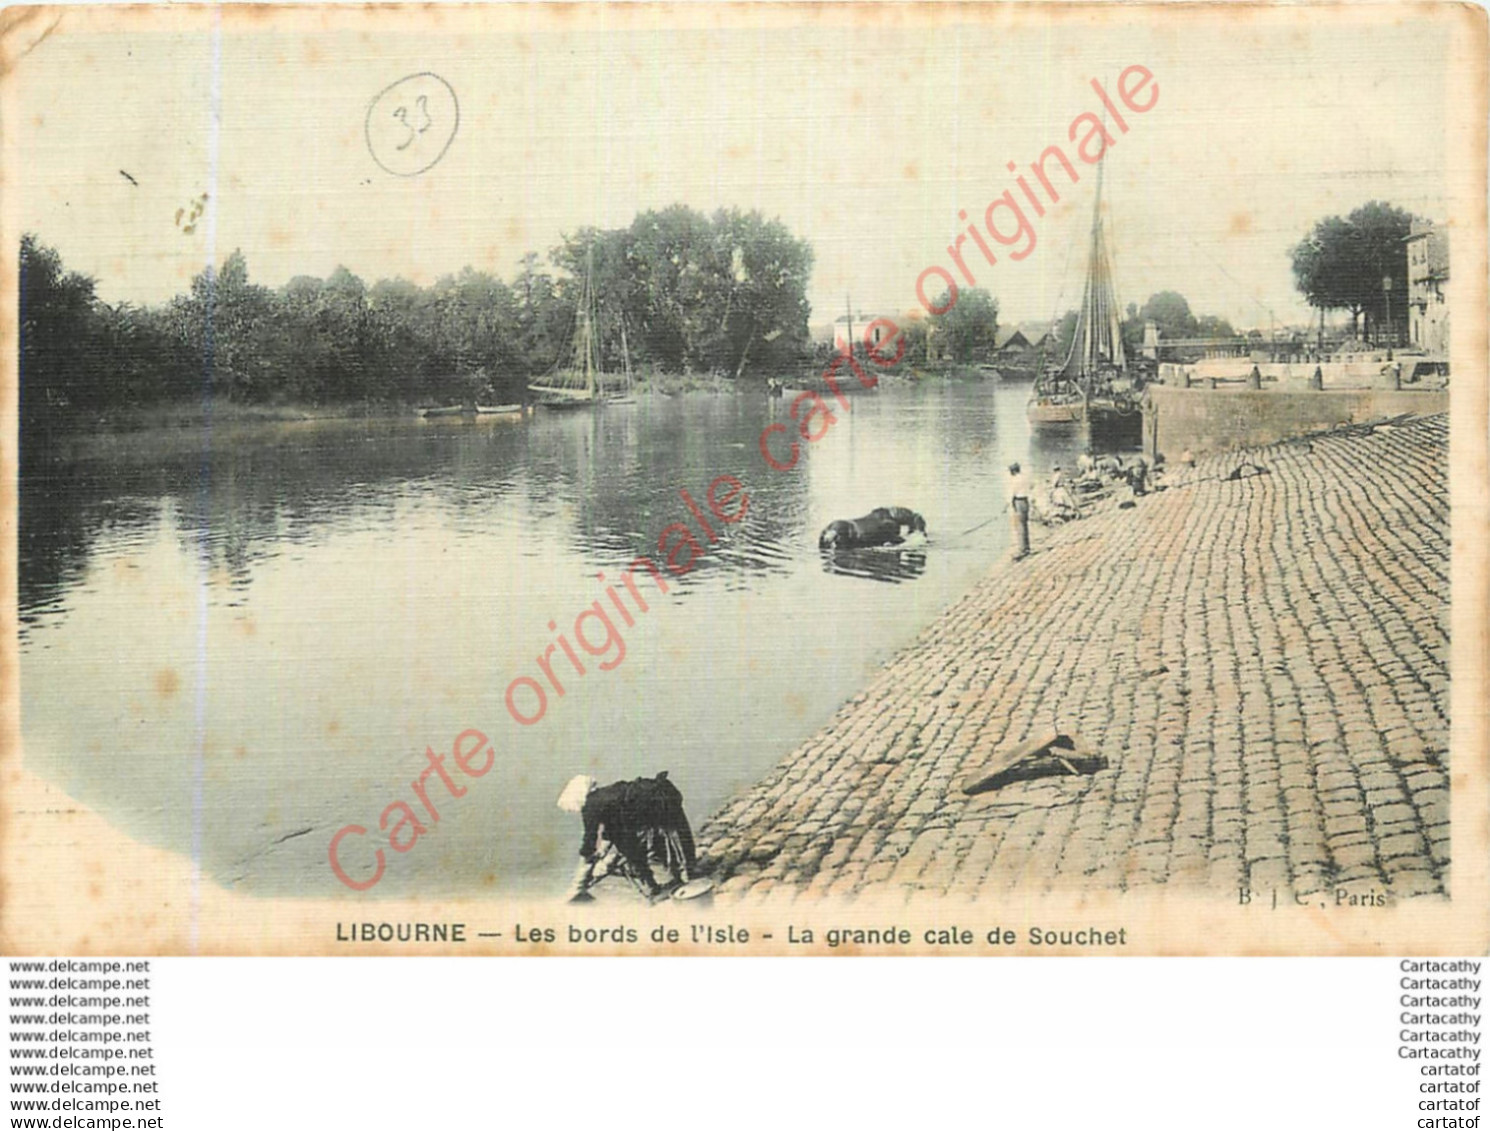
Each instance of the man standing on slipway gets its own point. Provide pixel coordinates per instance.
(1019, 511)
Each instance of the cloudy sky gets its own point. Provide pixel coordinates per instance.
(865, 131)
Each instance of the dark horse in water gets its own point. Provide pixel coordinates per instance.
(883, 526)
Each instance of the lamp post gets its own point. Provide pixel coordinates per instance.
(1386, 286)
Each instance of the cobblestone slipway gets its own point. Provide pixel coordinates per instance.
(1264, 662)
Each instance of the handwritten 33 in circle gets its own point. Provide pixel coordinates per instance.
(411, 124)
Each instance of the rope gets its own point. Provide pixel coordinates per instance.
(984, 523)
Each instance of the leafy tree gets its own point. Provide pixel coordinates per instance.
(345, 323)
(1171, 313)
(1211, 326)
(395, 312)
(326, 348)
(230, 324)
(917, 341)
(142, 361)
(1321, 268)
(765, 273)
(1131, 328)
(57, 341)
(688, 292)
(543, 321)
(472, 336)
(1063, 335)
(693, 292)
(1341, 263)
(969, 330)
(667, 258)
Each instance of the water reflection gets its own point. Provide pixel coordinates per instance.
(237, 496)
(299, 610)
(893, 564)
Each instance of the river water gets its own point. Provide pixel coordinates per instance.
(236, 641)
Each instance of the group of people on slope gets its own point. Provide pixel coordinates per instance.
(1060, 498)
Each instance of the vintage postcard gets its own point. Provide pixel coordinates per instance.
(744, 479)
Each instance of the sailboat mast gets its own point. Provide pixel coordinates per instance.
(579, 380)
(1095, 315)
(1100, 333)
(1095, 370)
(625, 353)
(590, 328)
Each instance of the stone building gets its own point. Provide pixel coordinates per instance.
(1427, 289)
(841, 329)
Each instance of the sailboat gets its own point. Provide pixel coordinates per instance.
(582, 382)
(1096, 383)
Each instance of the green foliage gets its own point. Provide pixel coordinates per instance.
(1063, 335)
(58, 332)
(917, 340)
(1210, 326)
(695, 293)
(1341, 263)
(1171, 314)
(689, 292)
(969, 331)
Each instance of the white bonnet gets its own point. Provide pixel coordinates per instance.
(572, 800)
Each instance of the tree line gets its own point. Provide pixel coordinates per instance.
(968, 332)
(676, 290)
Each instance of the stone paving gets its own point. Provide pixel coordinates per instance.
(1264, 663)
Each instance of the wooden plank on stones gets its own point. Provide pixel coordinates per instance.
(979, 781)
(1050, 755)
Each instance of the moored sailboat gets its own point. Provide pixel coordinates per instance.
(1095, 384)
(582, 381)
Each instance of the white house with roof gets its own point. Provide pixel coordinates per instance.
(839, 330)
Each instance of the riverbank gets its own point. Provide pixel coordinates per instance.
(1263, 661)
(809, 377)
(199, 413)
(220, 412)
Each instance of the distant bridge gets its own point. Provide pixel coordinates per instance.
(1206, 343)
(1227, 346)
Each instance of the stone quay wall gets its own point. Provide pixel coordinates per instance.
(1375, 373)
(1263, 661)
(1203, 420)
